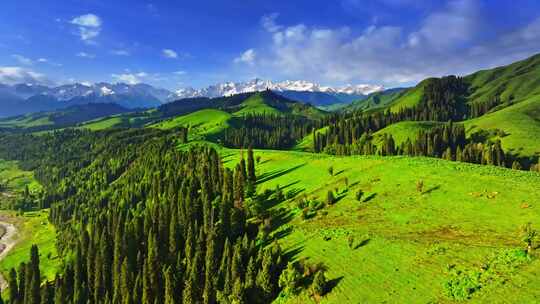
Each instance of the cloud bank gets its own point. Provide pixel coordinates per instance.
(455, 40)
(15, 75)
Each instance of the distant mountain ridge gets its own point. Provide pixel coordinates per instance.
(29, 98)
(299, 90)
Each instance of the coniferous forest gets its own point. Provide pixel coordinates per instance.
(390, 154)
(143, 222)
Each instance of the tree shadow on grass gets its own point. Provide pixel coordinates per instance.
(339, 172)
(280, 218)
(277, 173)
(370, 197)
(290, 254)
(362, 243)
(428, 191)
(331, 284)
(263, 162)
(294, 192)
(340, 197)
(353, 184)
(278, 235)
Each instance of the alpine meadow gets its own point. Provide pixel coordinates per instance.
(159, 152)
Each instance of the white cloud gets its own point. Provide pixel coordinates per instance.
(120, 52)
(22, 60)
(180, 73)
(269, 23)
(89, 27)
(453, 40)
(247, 57)
(130, 78)
(88, 20)
(14, 75)
(42, 60)
(168, 53)
(86, 55)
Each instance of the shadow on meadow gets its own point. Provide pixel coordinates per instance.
(277, 173)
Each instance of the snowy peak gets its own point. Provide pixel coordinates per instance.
(103, 89)
(231, 88)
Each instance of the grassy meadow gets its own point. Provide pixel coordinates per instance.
(32, 228)
(406, 241)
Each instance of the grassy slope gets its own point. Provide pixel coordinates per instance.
(306, 144)
(256, 105)
(404, 130)
(409, 98)
(201, 123)
(376, 100)
(16, 178)
(26, 121)
(520, 121)
(402, 227)
(516, 81)
(103, 123)
(33, 228)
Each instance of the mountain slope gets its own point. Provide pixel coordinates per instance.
(520, 124)
(200, 123)
(514, 82)
(376, 100)
(62, 118)
(414, 236)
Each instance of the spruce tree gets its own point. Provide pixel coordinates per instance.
(13, 286)
(251, 166)
(35, 276)
(319, 283)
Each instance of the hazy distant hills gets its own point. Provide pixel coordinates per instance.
(29, 98)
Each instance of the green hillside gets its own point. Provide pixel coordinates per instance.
(62, 118)
(376, 100)
(520, 124)
(200, 123)
(409, 98)
(270, 103)
(26, 121)
(514, 82)
(257, 104)
(404, 241)
(404, 130)
(511, 83)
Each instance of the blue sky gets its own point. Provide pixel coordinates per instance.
(174, 44)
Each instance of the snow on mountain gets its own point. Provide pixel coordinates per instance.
(231, 88)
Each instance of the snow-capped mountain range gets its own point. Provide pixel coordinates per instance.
(25, 98)
(232, 88)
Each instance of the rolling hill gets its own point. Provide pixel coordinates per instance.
(61, 118)
(405, 242)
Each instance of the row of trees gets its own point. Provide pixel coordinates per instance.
(266, 131)
(447, 141)
(145, 223)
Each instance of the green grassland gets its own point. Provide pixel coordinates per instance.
(26, 121)
(409, 98)
(15, 178)
(104, 123)
(306, 144)
(404, 240)
(201, 123)
(404, 130)
(33, 228)
(520, 123)
(516, 81)
(256, 104)
(376, 101)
